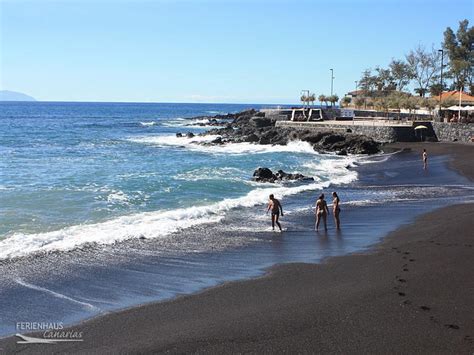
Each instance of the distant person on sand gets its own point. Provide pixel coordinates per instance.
(336, 210)
(275, 206)
(425, 159)
(321, 212)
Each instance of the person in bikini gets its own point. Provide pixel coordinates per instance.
(275, 206)
(425, 159)
(322, 211)
(336, 209)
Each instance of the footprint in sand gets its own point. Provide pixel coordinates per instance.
(468, 339)
(402, 294)
(452, 326)
(407, 253)
(402, 280)
(405, 269)
(425, 308)
(407, 302)
(412, 260)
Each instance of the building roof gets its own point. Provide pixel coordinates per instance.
(454, 95)
(356, 92)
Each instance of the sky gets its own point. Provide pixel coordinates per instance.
(216, 51)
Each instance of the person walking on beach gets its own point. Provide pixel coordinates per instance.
(336, 210)
(321, 212)
(425, 159)
(275, 206)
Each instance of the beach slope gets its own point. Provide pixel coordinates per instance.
(412, 294)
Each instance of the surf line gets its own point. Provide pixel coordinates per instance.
(55, 294)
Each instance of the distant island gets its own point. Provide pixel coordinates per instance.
(6, 95)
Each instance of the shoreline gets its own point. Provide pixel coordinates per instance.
(212, 332)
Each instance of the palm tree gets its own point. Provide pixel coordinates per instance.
(322, 98)
(333, 99)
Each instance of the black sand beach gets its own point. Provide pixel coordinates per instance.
(411, 294)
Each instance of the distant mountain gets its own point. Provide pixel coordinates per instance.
(6, 95)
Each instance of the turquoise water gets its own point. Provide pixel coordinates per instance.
(76, 173)
(102, 207)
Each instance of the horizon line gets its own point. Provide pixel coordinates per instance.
(148, 102)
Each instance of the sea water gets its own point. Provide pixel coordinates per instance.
(77, 173)
(102, 207)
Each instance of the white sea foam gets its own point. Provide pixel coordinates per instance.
(162, 223)
(229, 148)
(145, 124)
(158, 224)
(118, 197)
(55, 294)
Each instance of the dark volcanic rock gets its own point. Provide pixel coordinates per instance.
(179, 135)
(251, 126)
(281, 175)
(218, 140)
(252, 138)
(266, 175)
(260, 122)
(263, 175)
(190, 134)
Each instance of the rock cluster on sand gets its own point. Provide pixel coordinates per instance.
(266, 175)
(253, 127)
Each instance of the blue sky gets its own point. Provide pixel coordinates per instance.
(248, 51)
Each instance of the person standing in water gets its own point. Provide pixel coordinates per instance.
(425, 159)
(275, 206)
(321, 212)
(336, 210)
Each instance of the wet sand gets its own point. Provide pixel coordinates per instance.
(462, 154)
(411, 294)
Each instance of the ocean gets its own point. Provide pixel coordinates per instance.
(77, 173)
(103, 207)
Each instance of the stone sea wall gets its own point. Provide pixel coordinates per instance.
(378, 133)
(449, 132)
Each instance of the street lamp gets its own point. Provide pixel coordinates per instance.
(332, 79)
(441, 77)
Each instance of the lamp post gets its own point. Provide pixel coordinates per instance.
(441, 77)
(332, 79)
(357, 86)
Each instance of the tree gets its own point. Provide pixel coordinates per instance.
(460, 50)
(312, 98)
(421, 91)
(410, 103)
(436, 89)
(345, 101)
(383, 80)
(424, 66)
(396, 100)
(448, 102)
(304, 99)
(359, 102)
(333, 99)
(367, 83)
(430, 104)
(401, 73)
(322, 98)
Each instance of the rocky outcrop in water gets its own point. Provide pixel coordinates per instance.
(253, 127)
(266, 175)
